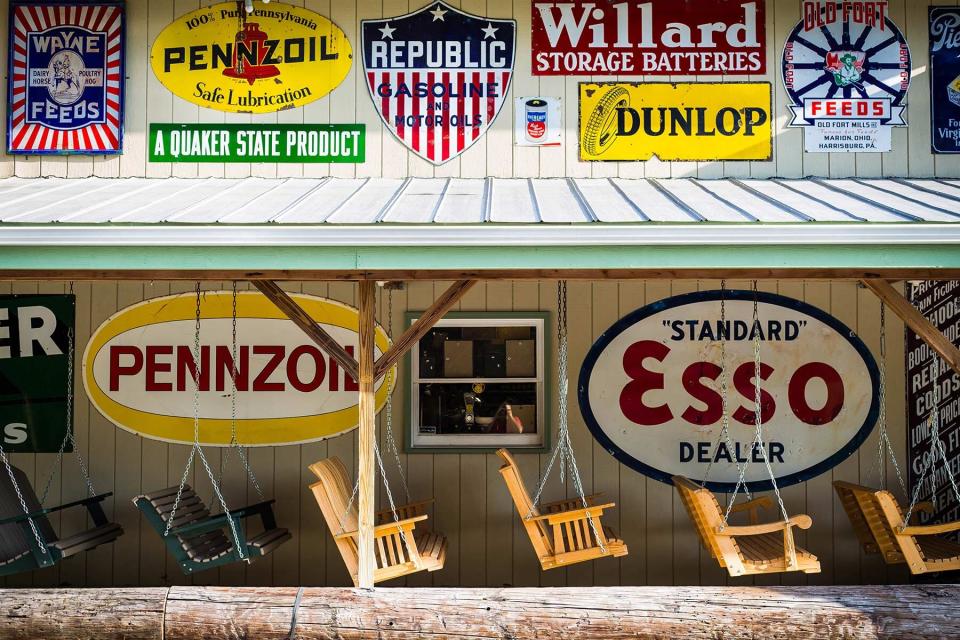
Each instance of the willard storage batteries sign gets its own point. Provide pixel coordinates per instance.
(846, 68)
(34, 352)
(681, 121)
(653, 38)
(651, 389)
(438, 77)
(65, 78)
(945, 78)
(278, 57)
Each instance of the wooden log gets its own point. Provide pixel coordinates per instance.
(367, 435)
(82, 614)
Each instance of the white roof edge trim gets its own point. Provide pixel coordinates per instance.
(488, 235)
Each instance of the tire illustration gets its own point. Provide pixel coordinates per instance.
(600, 132)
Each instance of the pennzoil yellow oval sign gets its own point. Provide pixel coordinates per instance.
(278, 57)
(138, 370)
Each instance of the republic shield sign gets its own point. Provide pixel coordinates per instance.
(438, 77)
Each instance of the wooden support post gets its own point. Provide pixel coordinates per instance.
(916, 321)
(303, 320)
(368, 434)
(437, 310)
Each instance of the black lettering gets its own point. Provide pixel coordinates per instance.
(686, 452)
(172, 56)
(623, 128)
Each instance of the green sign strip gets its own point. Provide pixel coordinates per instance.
(274, 143)
(34, 332)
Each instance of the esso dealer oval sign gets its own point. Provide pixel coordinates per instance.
(650, 389)
(138, 370)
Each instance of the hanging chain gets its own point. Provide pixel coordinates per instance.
(884, 445)
(758, 419)
(197, 450)
(68, 437)
(23, 503)
(725, 424)
(391, 441)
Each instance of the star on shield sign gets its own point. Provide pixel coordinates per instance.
(438, 77)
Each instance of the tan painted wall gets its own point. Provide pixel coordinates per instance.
(494, 155)
(487, 545)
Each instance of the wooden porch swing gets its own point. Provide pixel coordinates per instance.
(568, 531)
(755, 548)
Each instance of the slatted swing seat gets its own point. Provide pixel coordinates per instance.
(400, 548)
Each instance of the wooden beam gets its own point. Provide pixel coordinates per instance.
(430, 317)
(611, 613)
(368, 434)
(285, 275)
(917, 322)
(303, 320)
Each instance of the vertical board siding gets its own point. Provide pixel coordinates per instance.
(488, 547)
(147, 101)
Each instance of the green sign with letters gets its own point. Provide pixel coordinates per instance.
(320, 143)
(34, 346)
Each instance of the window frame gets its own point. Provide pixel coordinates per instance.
(414, 442)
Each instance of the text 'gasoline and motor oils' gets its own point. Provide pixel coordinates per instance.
(654, 38)
(438, 77)
(683, 121)
(278, 57)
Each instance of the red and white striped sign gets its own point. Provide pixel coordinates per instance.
(66, 78)
(438, 77)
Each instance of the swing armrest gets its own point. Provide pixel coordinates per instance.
(86, 502)
(752, 507)
(569, 503)
(560, 517)
(385, 529)
(801, 521)
(253, 509)
(220, 520)
(931, 529)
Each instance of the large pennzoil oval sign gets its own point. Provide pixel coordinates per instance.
(278, 57)
(139, 366)
(650, 389)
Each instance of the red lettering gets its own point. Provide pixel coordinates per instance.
(349, 384)
(293, 369)
(714, 401)
(797, 393)
(117, 370)
(743, 381)
(154, 367)
(643, 380)
(276, 354)
(227, 368)
(186, 364)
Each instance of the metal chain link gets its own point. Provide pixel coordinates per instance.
(391, 442)
(196, 449)
(23, 504)
(757, 421)
(884, 445)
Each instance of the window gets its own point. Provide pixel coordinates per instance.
(478, 382)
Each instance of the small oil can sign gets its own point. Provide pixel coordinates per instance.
(651, 389)
(34, 351)
(538, 122)
(66, 78)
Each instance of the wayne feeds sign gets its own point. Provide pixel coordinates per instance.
(653, 38)
(650, 389)
(34, 351)
(322, 143)
(682, 121)
(278, 57)
(139, 371)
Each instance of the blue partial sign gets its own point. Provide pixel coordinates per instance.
(945, 78)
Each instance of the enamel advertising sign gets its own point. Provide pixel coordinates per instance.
(683, 121)
(650, 389)
(35, 371)
(138, 370)
(653, 38)
(537, 121)
(66, 78)
(945, 78)
(846, 68)
(438, 77)
(278, 57)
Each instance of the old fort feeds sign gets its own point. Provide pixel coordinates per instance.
(278, 57)
(650, 388)
(682, 121)
(138, 370)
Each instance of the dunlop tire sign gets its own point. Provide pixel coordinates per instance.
(651, 389)
(138, 371)
(683, 121)
(282, 57)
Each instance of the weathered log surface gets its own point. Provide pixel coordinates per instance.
(714, 613)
